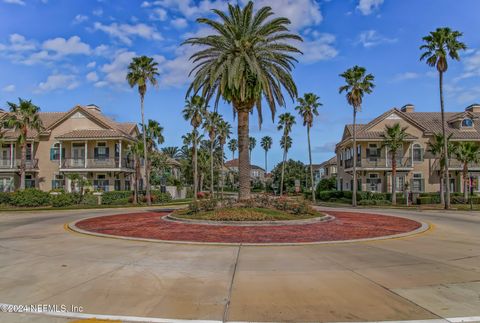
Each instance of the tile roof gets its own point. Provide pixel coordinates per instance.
(92, 133)
(234, 163)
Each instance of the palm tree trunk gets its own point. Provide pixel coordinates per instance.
(283, 165)
(222, 174)
(145, 153)
(195, 168)
(465, 181)
(311, 167)
(22, 165)
(442, 188)
(211, 167)
(266, 169)
(135, 181)
(394, 178)
(354, 188)
(445, 144)
(243, 154)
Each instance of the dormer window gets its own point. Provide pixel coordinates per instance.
(467, 123)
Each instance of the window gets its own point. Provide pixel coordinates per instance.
(101, 151)
(417, 182)
(373, 152)
(417, 152)
(127, 185)
(55, 152)
(58, 181)
(6, 184)
(467, 123)
(29, 181)
(374, 182)
(101, 183)
(400, 183)
(29, 152)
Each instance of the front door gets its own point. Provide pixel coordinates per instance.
(78, 154)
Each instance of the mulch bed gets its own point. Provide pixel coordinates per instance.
(345, 226)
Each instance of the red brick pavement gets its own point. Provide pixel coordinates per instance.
(345, 226)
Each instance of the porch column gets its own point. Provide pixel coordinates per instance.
(60, 154)
(120, 153)
(11, 154)
(386, 156)
(86, 153)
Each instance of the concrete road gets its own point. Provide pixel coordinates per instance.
(431, 276)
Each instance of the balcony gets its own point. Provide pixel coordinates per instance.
(103, 163)
(380, 163)
(455, 164)
(8, 164)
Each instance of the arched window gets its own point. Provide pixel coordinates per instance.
(417, 152)
(55, 151)
(467, 123)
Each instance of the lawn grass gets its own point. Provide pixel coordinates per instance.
(245, 214)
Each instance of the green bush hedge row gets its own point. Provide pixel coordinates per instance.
(36, 198)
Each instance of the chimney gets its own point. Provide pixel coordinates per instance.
(475, 108)
(93, 108)
(408, 108)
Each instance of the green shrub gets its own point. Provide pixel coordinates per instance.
(88, 199)
(5, 198)
(366, 202)
(62, 200)
(30, 197)
(425, 200)
(435, 197)
(116, 197)
(327, 195)
(159, 197)
(461, 200)
(202, 205)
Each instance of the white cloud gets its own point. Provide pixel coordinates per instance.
(406, 76)
(188, 8)
(179, 23)
(58, 81)
(101, 84)
(79, 19)
(92, 77)
(124, 32)
(116, 71)
(9, 88)
(371, 38)
(158, 14)
(91, 64)
(20, 43)
(366, 7)
(471, 65)
(18, 2)
(70, 46)
(97, 12)
(319, 48)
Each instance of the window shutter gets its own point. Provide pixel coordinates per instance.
(63, 152)
(52, 154)
(107, 152)
(422, 153)
(368, 152)
(95, 153)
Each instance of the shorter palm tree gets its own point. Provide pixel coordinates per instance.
(193, 139)
(224, 130)
(233, 146)
(154, 138)
(210, 125)
(307, 109)
(466, 152)
(394, 139)
(266, 144)
(436, 148)
(285, 123)
(23, 118)
(252, 142)
(194, 111)
(171, 151)
(135, 151)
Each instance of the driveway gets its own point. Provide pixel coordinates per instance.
(430, 276)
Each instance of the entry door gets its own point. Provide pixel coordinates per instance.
(78, 153)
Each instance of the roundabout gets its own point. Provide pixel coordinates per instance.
(336, 226)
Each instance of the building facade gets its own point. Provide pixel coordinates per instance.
(257, 173)
(415, 165)
(80, 141)
(327, 169)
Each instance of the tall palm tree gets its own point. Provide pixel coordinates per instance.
(210, 125)
(252, 142)
(171, 151)
(141, 71)
(194, 111)
(436, 148)
(154, 137)
(233, 146)
(358, 83)
(247, 58)
(224, 131)
(266, 144)
(285, 123)
(135, 150)
(308, 109)
(467, 152)
(23, 118)
(394, 139)
(438, 46)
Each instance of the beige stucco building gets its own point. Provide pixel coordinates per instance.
(82, 141)
(415, 165)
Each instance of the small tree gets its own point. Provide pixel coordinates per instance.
(232, 146)
(266, 144)
(436, 148)
(394, 138)
(224, 131)
(252, 142)
(285, 123)
(467, 152)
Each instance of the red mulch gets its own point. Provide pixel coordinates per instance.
(345, 226)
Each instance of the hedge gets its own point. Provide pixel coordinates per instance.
(30, 197)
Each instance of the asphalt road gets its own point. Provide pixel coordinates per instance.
(431, 276)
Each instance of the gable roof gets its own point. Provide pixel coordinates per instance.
(234, 163)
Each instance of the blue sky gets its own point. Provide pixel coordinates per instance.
(63, 53)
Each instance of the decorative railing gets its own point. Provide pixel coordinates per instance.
(455, 164)
(70, 163)
(403, 162)
(9, 164)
